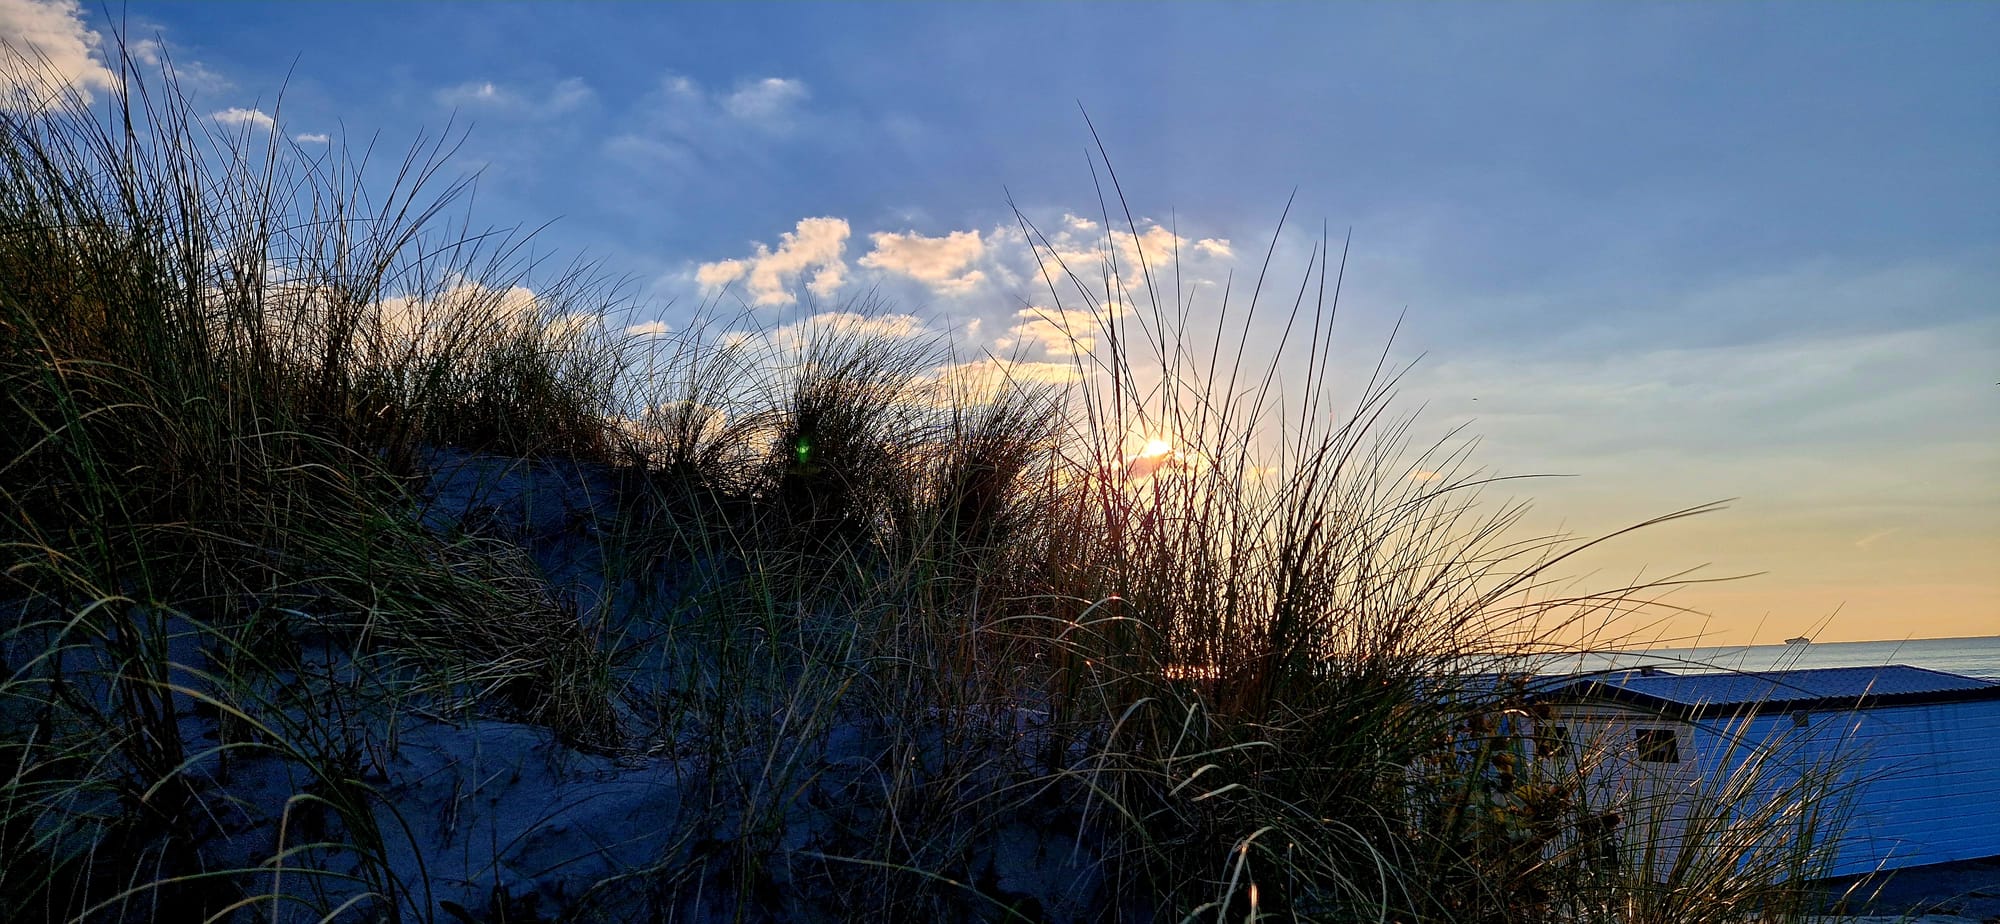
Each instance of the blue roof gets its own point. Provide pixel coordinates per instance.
(1782, 690)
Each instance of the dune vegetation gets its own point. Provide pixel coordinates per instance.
(356, 569)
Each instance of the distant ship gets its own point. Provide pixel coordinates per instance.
(1801, 640)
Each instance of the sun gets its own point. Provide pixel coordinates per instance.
(1156, 447)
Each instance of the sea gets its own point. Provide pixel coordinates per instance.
(1971, 657)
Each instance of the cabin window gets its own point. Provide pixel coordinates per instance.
(1554, 742)
(1658, 745)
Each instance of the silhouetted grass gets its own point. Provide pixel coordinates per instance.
(884, 630)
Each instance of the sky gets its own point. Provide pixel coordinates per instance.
(1672, 253)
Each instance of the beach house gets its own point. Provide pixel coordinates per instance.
(1909, 757)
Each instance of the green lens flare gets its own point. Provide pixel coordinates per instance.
(803, 449)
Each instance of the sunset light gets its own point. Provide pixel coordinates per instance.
(905, 462)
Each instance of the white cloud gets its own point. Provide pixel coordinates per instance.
(816, 245)
(940, 262)
(682, 107)
(1083, 246)
(650, 329)
(44, 41)
(421, 324)
(825, 282)
(427, 324)
(980, 379)
(149, 52)
(1057, 333)
(476, 93)
(721, 273)
(1156, 245)
(572, 325)
(769, 102)
(313, 138)
(569, 93)
(683, 132)
(1060, 331)
(849, 323)
(787, 342)
(189, 74)
(563, 96)
(238, 116)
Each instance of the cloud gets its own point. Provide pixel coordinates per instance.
(981, 379)
(1060, 331)
(721, 273)
(475, 94)
(677, 420)
(769, 102)
(415, 325)
(569, 93)
(1076, 245)
(432, 323)
(816, 245)
(44, 42)
(189, 74)
(1865, 541)
(790, 341)
(570, 326)
(680, 106)
(238, 116)
(563, 96)
(957, 263)
(681, 127)
(649, 329)
(1052, 334)
(1813, 389)
(1152, 248)
(1141, 466)
(827, 281)
(848, 323)
(1079, 242)
(940, 262)
(313, 138)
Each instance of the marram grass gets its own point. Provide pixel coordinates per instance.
(353, 573)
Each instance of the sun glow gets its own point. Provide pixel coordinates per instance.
(1155, 454)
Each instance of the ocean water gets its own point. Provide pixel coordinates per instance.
(1972, 657)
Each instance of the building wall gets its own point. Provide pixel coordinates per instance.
(1911, 785)
(1650, 799)
(1927, 784)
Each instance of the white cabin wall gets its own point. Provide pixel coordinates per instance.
(1922, 782)
(1927, 784)
(1649, 798)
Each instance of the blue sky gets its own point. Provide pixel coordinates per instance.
(1684, 252)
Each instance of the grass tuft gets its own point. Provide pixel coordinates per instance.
(311, 491)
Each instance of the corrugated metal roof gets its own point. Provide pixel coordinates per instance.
(1826, 687)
